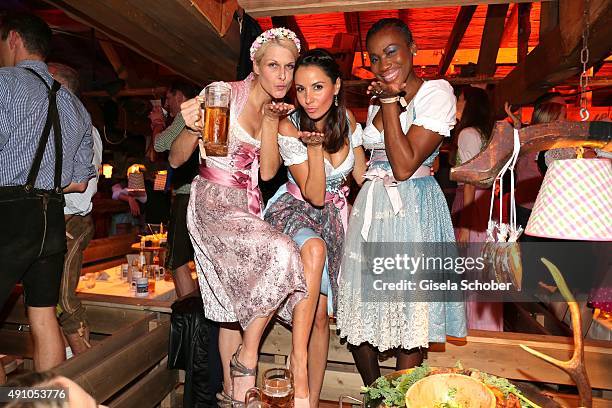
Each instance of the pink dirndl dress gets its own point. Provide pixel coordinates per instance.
(246, 268)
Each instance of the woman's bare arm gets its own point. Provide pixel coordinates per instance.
(406, 152)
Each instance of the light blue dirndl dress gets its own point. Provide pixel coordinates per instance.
(423, 217)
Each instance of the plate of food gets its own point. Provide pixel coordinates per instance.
(434, 387)
(449, 390)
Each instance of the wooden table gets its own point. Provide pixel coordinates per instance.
(114, 286)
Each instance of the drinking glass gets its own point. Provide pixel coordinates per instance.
(277, 388)
(217, 98)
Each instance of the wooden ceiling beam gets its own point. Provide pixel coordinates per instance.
(114, 59)
(265, 8)
(491, 38)
(350, 22)
(549, 17)
(218, 14)
(557, 56)
(291, 23)
(524, 31)
(461, 24)
(510, 27)
(181, 40)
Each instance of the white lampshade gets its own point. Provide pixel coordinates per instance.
(107, 171)
(574, 202)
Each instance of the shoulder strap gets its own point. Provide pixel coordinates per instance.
(52, 120)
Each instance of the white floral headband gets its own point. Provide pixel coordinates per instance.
(278, 33)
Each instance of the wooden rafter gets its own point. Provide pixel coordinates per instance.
(171, 33)
(291, 23)
(491, 38)
(510, 27)
(114, 59)
(524, 31)
(461, 24)
(549, 17)
(264, 8)
(352, 24)
(557, 56)
(219, 14)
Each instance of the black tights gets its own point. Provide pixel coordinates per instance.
(366, 360)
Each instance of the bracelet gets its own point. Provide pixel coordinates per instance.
(392, 99)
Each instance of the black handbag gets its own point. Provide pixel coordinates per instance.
(193, 347)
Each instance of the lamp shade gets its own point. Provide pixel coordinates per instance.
(574, 202)
(107, 170)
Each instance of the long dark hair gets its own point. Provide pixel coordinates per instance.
(476, 112)
(336, 126)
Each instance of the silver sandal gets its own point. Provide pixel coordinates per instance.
(237, 369)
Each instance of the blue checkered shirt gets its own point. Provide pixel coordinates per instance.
(23, 111)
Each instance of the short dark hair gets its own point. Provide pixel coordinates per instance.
(34, 32)
(395, 23)
(187, 89)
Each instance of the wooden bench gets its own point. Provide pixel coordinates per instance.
(126, 367)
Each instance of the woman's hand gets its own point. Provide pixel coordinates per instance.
(516, 121)
(383, 90)
(156, 116)
(276, 111)
(134, 207)
(464, 235)
(191, 111)
(312, 138)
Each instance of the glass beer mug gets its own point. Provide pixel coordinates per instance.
(216, 118)
(276, 392)
(253, 399)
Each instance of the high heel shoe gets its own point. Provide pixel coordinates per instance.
(237, 369)
(225, 401)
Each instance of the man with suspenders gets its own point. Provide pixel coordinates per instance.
(45, 151)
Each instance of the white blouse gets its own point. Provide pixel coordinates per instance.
(294, 151)
(433, 107)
